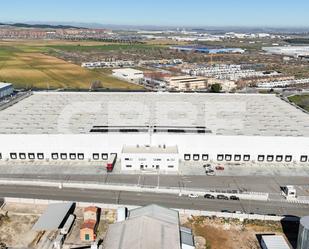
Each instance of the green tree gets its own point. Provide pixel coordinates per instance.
(215, 88)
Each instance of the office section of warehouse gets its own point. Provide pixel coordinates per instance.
(154, 131)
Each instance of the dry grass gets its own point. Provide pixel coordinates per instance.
(26, 64)
(231, 234)
(15, 230)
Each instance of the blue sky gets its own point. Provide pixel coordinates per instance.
(161, 12)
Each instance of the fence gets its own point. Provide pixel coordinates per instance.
(181, 211)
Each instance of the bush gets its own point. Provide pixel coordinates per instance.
(215, 88)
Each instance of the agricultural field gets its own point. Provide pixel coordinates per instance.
(29, 64)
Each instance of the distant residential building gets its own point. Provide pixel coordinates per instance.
(282, 83)
(129, 74)
(107, 64)
(183, 83)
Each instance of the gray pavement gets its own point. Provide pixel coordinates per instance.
(185, 168)
(269, 184)
(140, 199)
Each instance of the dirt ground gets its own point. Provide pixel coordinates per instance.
(229, 234)
(16, 221)
(15, 230)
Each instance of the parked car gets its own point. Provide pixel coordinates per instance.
(238, 212)
(209, 196)
(210, 172)
(222, 197)
(225, 211)
(219, 167)
(193, 195)
(234, 198)
(207, 166)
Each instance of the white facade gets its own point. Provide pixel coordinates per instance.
(205, 147)
(150, 158)
(128, 74)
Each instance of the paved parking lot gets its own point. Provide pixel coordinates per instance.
(252, 178)
(185, 168)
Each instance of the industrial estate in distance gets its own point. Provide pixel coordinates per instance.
(148, 137)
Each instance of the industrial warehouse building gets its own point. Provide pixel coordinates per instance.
(149, 227)
(129, 74)
(154, 131)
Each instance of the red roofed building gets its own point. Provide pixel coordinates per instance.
(91, 213)
(88, 230)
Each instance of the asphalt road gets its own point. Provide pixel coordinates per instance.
(268, 184)
(140, 199)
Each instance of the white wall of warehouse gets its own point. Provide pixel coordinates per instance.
(187, 144)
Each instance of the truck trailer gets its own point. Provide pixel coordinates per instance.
(111, 162)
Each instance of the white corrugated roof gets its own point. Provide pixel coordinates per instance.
(53, 216)
(150, 227)
(127, 71)
(143, 232)
(157, 212)
(2, 84)
(275, 242)
(221, 114)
